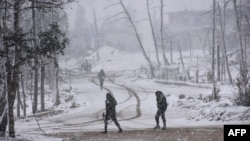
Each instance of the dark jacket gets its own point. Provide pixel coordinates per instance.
(101, 75)
(110, 105)
(161, 102)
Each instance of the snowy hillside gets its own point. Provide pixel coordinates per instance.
(111, 59)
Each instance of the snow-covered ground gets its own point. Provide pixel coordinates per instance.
(82, 107)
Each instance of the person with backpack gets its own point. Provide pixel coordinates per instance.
(161, 109)
(110, 114)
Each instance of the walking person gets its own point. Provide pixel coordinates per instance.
(101, 76)
(161, 109)
(110, 112)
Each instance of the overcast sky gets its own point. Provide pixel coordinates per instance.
(141, 13)
(139, 5)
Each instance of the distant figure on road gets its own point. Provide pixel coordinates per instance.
(110, 112)
(101, 76)
(161, 109)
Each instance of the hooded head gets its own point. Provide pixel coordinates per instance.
(109, 96)
(158, 93)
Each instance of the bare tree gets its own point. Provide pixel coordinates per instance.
(182, 62)
(242, 83)
(171, 48)
(3, 99)
(139, 40)
(24, 95)
(214, 91)
(43, 63)
(223, 32)
(213, 44)
(190, 44)
(35, 45)
(218, 63)
(18, 101)
(153, 34)
(3, 112)
(242, 60)
(12, 81)
(97, 37)
(42, 85)
(162, 36)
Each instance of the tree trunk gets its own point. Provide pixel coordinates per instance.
(246, 62)
(24, 96)
(34, 102)
(182, 63)
(213, 45)
(3, 112)
(3, 104)
(162, 37)
(97, 38)
(57, 79)
(214, 92)
(12, 75)
(190, 45)
(1, 18)
(171, 50)
(42, 59)
(153, 34)
(3, 121)
(224, 44)
(18, 102)
(197, 70)
(139, 40)
(218, 63)
(247, 37)
(11, 94)
(242, 60)
(42, 86)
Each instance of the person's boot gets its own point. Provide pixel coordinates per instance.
(164, 124)
(105, 130)
(157, 127)
(120, 130)
(119, 127)
(163, 128)
(157, 123)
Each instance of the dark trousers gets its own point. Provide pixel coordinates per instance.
(101, 83)
(160, 112)
(113, 118)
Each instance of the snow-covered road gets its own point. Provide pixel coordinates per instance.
(135, 110)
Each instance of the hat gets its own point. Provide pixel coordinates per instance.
(158, 92)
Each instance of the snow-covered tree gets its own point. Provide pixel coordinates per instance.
(53, 43)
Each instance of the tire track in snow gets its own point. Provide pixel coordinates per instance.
(138, 101)
(127, 99)
(108, 90)
(98, 119)
(131, 94)
(93, 122)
